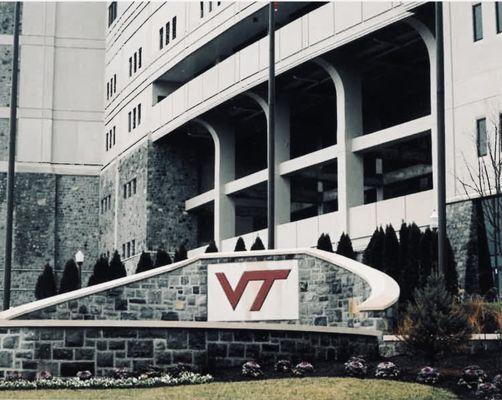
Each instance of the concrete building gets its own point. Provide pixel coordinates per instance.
(186, 125)
(60, 126)
(182, 154)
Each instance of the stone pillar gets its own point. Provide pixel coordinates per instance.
(349, 125)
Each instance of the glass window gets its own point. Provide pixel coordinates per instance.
(114, 136)
(130, 66)
(481, 137)
(107, 90)
(134, 186)
(133, 247)
(133, 118)
(498, 12)
(123, 250)
(210, 6)
(174, 28)
(112, 12)
(477, 21)
(140, 51)
(202, 9)
(114, 83)
(168, 32)
(106, 146)
(128, 249)
(161, 38)
(139, 114)
(129, 121)
(129, 189)
(125, 191)
(135, 62)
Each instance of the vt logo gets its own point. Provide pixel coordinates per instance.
(253, 291)
(268, 277)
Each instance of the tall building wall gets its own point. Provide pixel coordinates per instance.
(59, 122)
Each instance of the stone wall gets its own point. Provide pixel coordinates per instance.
(132, 210)
(40, 201)
(6, 18)
(172, 179)
(5, 74)
(4, 139)
(64, 351)
(462, 230)
(77, 210)
(107, 218)
(326, 292)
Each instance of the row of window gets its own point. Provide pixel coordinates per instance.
(477, 19)
(170, 33)
(110, 139)
(134, 118)
(111, 87)
(129, 249)
(482, 135)
(135, 61)
(207, 5)
(106, 204)
(112, 12)
(130, 188)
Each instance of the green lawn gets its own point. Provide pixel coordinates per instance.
(277, 389)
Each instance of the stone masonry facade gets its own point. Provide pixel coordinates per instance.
(54, 216)
(154, 216)
(326, 293)
(65, 351)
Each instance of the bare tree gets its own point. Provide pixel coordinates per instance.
(483, 182)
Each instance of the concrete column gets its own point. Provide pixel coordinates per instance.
(349, 125)
(282, 153)
(430, 43)
(224, 171)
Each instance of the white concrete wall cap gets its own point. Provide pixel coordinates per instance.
(384, 289)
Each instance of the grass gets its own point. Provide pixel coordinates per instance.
(272, 389)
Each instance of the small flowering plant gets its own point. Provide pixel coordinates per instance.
(44, 375)
(356, 366)
(84, 375)
(121, 373)
(387, 369)
(252, 369)
(283, 366)
(303, 369)
(428, 375)
(472, 376)
(497, 381)
(486, 390)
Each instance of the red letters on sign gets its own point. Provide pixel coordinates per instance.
(267, 276)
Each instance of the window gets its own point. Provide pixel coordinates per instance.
(123, 250)
(106, 146)
(210, 6)
(114, 83)
(134, 118)
(498, 13)
(139, 57)
(128, 249)
(134, 186)
(113, 136)
(129, 121)
(139, 114)
(110, 140)
(130, 188)
(112, 12)
(135, 62)
(161, 38)
(133, 247)
(477, 20)
(218, 3)
(202, 9)
(174, 28)
(168, 32)
(107, 90)
(130, 66)
(481, 137)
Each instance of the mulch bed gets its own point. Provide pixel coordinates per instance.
(450, 368)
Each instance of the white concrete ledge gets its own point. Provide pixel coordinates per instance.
(475, 336)
(308, 160)
(200, 200)
(153, 324)
(393, 134)
(384, 289)
(246, 182)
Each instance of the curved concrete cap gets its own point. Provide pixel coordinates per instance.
(384, 289)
